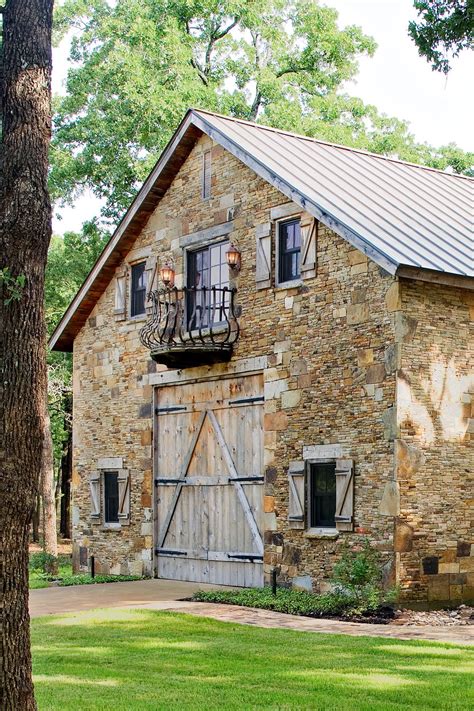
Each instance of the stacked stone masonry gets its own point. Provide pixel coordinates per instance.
(378, 367)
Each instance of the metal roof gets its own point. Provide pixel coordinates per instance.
(403, 216)
(398, 213)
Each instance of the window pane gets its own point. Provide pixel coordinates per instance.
(111, 497)
(206, 267)
(138, 289)
(289, 245)
(322, 502)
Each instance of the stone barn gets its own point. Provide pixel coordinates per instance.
(272, 356)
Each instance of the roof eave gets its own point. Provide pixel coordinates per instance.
(62, 337)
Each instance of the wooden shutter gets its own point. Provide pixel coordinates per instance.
(309, 232)
(344, 494)
(263, 256)
(120, 310)
(296, 484)
(150, 274)
(94, 488)
(124, 496)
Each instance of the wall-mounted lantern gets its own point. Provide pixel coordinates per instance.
(167, 275)
(233, 258)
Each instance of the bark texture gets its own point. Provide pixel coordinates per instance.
(25, 231)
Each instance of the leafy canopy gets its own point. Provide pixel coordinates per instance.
(137, 65)
(444, 29)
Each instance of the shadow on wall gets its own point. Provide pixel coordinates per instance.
(437, 408)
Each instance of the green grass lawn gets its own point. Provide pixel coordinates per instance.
(139, 660)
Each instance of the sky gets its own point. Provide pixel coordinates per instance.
(396, 80)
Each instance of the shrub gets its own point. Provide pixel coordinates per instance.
(86, 579)
(357, 590)
(42, 562)
(359, 575)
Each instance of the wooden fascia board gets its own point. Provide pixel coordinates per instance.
(434, 277)
(114, 241)
(298, 197)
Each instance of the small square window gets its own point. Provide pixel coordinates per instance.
(138, 290)
(111, 497)
(289, 251)
(322, 495)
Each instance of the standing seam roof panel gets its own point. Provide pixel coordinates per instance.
(399, 184)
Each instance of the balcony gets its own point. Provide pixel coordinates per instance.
(191, 326)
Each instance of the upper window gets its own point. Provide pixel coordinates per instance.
(289, 250)
(111, 497)
(138, 290)
(206, 175)
(322, 495)
(207, 267)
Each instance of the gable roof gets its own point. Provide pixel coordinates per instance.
(403, 216)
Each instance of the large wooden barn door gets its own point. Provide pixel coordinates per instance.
(209, 481)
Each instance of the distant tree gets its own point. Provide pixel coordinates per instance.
(137, 65)
(444, 29)
(25, 231)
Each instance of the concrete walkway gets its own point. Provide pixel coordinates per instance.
(56, 600)
(167, 595)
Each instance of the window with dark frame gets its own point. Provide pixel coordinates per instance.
(289, 250)
(138, 290)
(111, 497)
(207, 267)
(322, 495)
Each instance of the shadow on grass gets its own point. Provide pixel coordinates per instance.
(144, 660)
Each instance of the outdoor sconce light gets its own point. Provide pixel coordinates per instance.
(167, 274)
(233, 258)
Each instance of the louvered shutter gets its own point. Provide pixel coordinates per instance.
(344, 494)
(263, 256)
(309, 232)
(124, 496)
(120, 310)
(296, 502)
(94, 489)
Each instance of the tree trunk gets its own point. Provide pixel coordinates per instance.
(25, 231)
(36, 519)
(49, 499)
(66, 473)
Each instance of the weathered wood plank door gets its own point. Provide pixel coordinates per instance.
(209, 481)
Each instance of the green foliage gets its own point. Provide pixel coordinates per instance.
(443, 30)
(41, 561)
(13, 286)
(294, 602)
(356, 582)
(40, 565)
(137, 65)
(70, 259)
(69, 580)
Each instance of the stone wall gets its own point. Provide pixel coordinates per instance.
(435, 449)
(332, 346)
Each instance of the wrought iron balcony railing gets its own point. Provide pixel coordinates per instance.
(191, 326)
